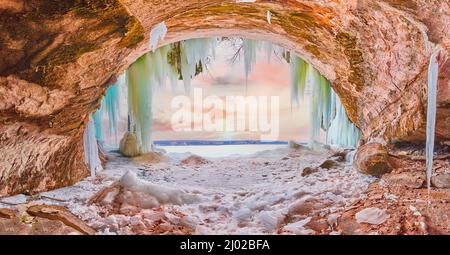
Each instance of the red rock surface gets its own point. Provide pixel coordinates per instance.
(373, 159)
(58, 57)
(41, 220)
(404, 196)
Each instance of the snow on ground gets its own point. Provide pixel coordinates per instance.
(263, 193)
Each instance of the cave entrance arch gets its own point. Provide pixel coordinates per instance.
(152, 72)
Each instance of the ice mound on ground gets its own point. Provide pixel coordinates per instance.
(131, 194)
(148, 158)
(163, 195)
(194, 160)
(129, 145)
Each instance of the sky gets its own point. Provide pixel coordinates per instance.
(225, 78)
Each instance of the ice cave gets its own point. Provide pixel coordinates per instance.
(225, 117)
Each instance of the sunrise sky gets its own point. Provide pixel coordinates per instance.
(224, 78)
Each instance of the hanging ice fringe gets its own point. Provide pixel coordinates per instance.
(431, 115)
(91, 157)
(186, 59)
(195, 54)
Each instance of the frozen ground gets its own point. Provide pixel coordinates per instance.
(263, 193)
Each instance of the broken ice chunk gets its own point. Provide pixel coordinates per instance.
(372, 215)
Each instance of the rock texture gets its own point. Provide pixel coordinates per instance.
(41, 220)
(58, 57)
(372, 159)
(441, 181)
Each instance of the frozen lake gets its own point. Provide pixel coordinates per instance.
(219, 151)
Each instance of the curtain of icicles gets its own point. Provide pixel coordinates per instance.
(94, 133)
(181, 60)
(178, 61)
(186, 59)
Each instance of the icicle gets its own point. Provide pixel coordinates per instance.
(91, 157)
(158, 66)
(140, 101)
(315, 107)
(249, 55)
(268, 48)
(299, 71)
(173, 77)
(185, 72)
(325, 101)
(157, 33)
(279, 51)
(123, 95)
(112, 110)
(269, 17)
(431, 115)
(98, 124)
(294, 80)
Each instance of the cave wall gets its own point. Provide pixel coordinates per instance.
(58, 57)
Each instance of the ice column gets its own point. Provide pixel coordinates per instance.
(431, 114)
(91, 157)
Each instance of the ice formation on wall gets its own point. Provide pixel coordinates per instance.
(342, 131)
(109, 108)
(269, 17)
(91, 157)
(431, 114)
(327, 112)
(157, 33)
